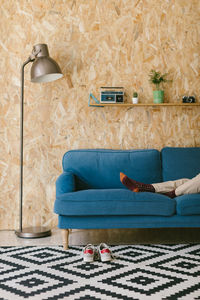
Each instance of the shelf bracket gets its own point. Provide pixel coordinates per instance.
(95, 99)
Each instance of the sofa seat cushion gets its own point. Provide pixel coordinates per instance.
(113, 202)
(188, 204)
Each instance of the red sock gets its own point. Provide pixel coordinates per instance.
(170, 194)
(136, 186)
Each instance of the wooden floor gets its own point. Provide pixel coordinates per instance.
(109, 236)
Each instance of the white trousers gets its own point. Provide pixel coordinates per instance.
(181, 186)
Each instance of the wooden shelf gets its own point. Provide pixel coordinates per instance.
(143, 104)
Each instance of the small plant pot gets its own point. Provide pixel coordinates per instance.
(135, 100)
(158, 96)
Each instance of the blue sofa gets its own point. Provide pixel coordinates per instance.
(89, 193)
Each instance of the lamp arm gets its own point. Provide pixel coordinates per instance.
(21, 140)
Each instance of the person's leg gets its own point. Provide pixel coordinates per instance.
(168, 186)
(192, 186)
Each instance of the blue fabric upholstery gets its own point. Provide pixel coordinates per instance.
(188, 205)
(100, 169)
(114, 202)
(65, 183)
(180, 162)
(94, 222)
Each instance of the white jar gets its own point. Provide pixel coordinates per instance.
(135, 100)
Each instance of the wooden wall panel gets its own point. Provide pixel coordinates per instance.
(96, 43)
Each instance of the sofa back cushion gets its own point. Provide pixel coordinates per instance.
(180, 162)
(100, 168)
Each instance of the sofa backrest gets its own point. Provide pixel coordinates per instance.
(180, 162)
(100, 168)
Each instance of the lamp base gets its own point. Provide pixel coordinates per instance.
(33, 232)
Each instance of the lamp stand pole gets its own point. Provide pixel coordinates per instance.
(30, 232)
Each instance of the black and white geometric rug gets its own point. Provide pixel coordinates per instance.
(141, 272)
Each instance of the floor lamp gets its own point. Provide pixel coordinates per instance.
(43, 69)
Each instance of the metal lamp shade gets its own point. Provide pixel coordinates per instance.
(45, 69)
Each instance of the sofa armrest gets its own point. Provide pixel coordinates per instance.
(65, 183)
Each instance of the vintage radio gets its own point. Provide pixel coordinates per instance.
(111, 94)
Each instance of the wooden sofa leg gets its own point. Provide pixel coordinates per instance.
(65, 238)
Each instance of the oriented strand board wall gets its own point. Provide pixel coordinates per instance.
(96, 43)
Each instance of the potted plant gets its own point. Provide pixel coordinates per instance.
(135, 98)
(157, 78)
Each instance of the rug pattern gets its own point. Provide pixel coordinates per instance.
(138, 272)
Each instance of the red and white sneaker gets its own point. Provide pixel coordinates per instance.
(104, 252)
(88, 253)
